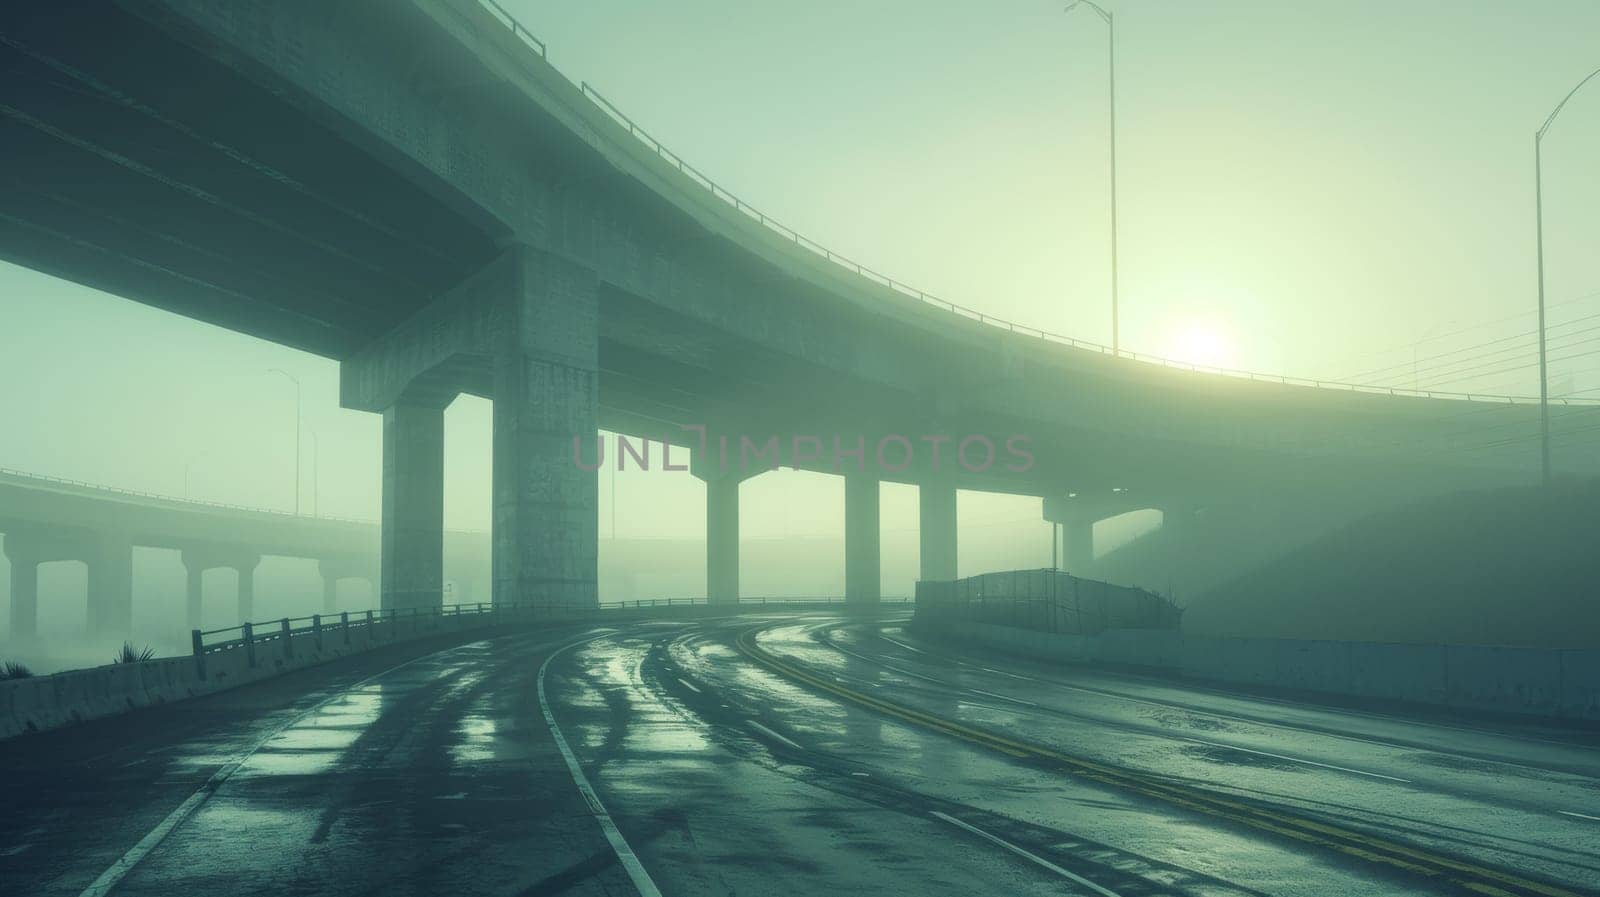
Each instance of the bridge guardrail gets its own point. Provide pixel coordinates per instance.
(755, 214)
(250, 652)
(282, 632)
(138, 493)
(758, 601)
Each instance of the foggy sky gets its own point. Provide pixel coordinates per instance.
(1316, 186)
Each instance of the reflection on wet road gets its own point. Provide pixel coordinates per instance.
(776, 755)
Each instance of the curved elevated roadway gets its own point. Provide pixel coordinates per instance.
(428, 134)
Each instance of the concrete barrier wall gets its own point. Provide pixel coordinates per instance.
(1528, 681)
(47, 702)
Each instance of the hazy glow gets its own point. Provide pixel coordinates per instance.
(1204, 344)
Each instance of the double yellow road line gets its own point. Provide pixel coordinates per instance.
(1436, 867)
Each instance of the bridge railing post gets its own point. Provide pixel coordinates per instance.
(316, 631)
(288, 650)
(249, 637)
(198, 642)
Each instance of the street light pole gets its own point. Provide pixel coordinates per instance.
(316, 489)
(1111, 64)
(296, 382)
(1538, 211)
(187, 464)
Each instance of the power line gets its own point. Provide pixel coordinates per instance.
(1415, 367)
(1459, 376)
(1479, 326)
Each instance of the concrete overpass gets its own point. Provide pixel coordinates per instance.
(412, 189)
(46, 519)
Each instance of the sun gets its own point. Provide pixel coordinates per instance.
(1202, 344)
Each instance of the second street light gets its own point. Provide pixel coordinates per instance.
(1111, 65)
(1538, 205)
(316, 484)
(296, 382)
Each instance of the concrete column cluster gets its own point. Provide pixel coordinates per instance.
(334, 569)
(108, 557)
(523, 330)
(198, 559)
(24, 586)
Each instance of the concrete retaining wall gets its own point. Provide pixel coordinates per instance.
(1528, 681)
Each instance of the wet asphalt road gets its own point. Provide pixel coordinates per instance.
(715, 771)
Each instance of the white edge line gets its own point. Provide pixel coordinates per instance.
(900, 643)
(124, 864)
(1230, 747)
(1038, 860)
(1579, 815)
(979, 691)
(619, 845)
(1374, 775)
(1011, 675)
(771, 734)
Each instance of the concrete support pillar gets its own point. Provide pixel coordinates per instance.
(1077, 537)
(330, 594)
(247, 591)
(110, 567)
(937, 531)
(24, 589)
(412, 553)
(862, 575)
(193, 592)
(722, 540)
(546, 397)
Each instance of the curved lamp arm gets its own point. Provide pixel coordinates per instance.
(1096, 7)
(1553, 113)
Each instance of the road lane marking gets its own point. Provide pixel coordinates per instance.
(117, 871)
(879, 662)
(619, 845)
(1215, 714)
(1011, 675)
(900, 643)
(1230, 747)
(691, 686)
(773, 735)
(1265, 817)
(1579, 815)
(990, 694)
(1031, 857)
